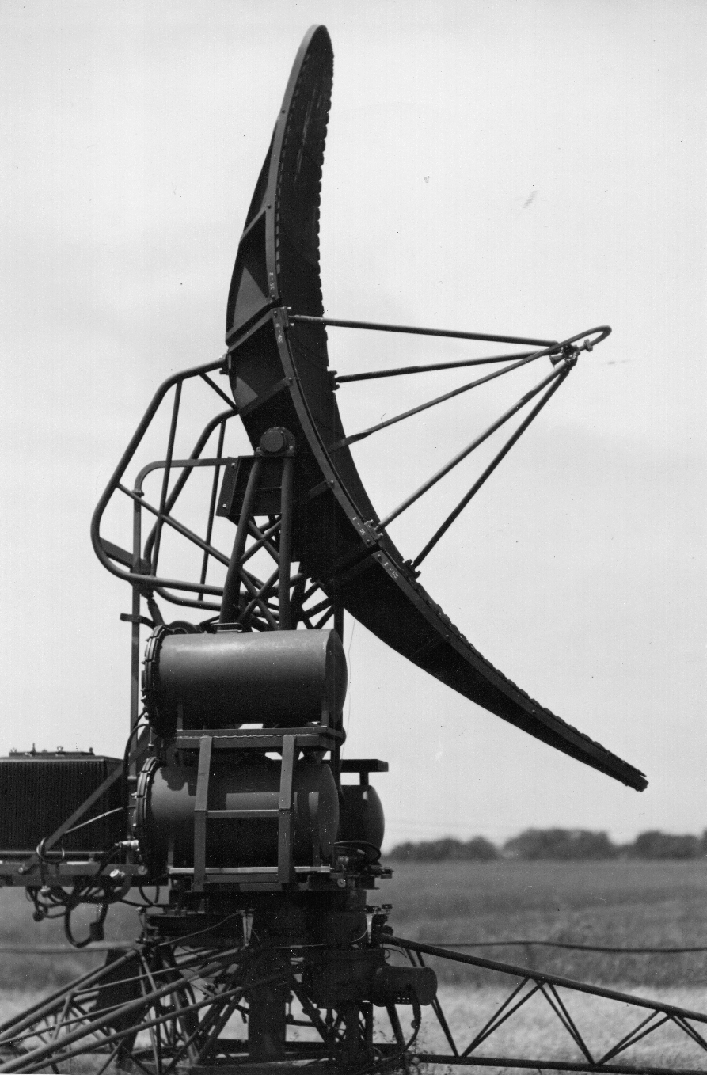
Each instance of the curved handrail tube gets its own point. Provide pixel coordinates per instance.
(125, 459)
(181, 481)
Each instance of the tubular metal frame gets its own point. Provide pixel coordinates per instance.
(553, 988)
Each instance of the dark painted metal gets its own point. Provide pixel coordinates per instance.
(200, 808)
(404, 371)
(280, 376)
(285, 547)
(477, 442)
(232, 587)
(510, 1062)
(456, 512)
(212, 506)
(526, 984)
(375, 326)
(354, 437)
(128, 455)
(166, 473)
(540, 976)
(219, 419)
(228, 678)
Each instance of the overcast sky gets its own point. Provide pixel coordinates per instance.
(521, 168)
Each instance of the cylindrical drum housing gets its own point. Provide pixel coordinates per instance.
(247, 781)
(362, 818)
(226, 679)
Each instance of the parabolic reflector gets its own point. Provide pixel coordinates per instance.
(280, 377)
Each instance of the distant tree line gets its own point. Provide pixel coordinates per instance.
(562, 844)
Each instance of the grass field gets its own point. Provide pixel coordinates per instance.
(611, 904)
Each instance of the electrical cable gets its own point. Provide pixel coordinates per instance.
(571, 947)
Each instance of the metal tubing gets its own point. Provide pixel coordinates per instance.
(285, 803)
(571, 947)
(254, 593)
(214, 1022)
(505, 1062)
(320, 606)
(212, 506)
(135, 654)
(219, 392)
(339, 619)
(433, 402)
(285, 544)
(502, 1014)
(260, 597)
(129, 452)
(415, 331)
(541, 976)
(639, 1032)
(135, 651)
(37, 1055)
(61, 949)
(232, 586)
(201, 807)
(262, 540)
(441, 531)
(186, 602)
(556, 1002)
(45, 1007)
(184, 476)
(136, 494)
(470, 448)
(404, 371)
(82, 987)
(166, 473)
(71, 1002)
(325, 618)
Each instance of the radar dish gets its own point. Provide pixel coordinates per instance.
(280, 377)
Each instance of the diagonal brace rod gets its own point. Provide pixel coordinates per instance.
(441, 531)
(560, 1009)
(502, 1014)
(355, 437)
(404, 371)
(416, 331)
(470, 448)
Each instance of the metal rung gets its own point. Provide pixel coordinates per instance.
(234, 815)
(363, 765)
(245, 871)
(265, 740)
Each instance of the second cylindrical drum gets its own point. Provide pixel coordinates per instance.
(248, 782)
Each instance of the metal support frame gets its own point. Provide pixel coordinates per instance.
(583, 1056)
(166, 1009)
(266, 604)
(167, 1006)
(280, 811)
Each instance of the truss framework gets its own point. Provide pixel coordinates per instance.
(623, 1056)
(171, 1007)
